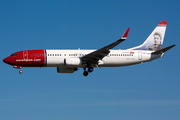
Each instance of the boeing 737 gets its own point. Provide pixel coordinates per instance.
(68, 61)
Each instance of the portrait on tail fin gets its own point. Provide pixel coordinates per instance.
(157, 42)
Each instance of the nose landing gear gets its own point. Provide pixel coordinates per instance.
(20, 71)
(19, 67)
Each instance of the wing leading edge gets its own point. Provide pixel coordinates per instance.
(94, 57)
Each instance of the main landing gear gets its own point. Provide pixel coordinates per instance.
(90, 69)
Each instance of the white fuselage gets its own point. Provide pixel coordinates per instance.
(116, 58)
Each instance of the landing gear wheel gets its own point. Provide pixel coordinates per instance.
(20, 71)
(85, 73)
(90, 69)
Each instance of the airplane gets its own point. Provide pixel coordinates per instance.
(68, 61)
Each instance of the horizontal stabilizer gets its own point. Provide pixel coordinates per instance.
(164, 49)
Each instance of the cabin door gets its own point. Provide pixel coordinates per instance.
(140, 56)
(25, 55)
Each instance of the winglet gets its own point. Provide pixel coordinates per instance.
(125, 34)
(163, 23)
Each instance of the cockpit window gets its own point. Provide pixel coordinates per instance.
(13, 55)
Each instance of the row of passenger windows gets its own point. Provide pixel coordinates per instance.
(44, 54)
(86, 54)
(121, 55)
(54, 54)
(36, 55)
(65, 54)
(76, 55)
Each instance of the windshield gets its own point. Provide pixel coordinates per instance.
(13, 55)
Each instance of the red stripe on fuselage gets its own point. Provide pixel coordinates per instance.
(27, 58)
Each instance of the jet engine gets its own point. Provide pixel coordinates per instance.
(65, 70)
(72, 61)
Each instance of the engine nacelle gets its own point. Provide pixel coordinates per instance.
(65, 70)
(72, 61)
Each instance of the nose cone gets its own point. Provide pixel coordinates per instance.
(6, 60)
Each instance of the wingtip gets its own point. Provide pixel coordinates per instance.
(174, 45)
(125, 34)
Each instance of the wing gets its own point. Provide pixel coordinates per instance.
(94, 57)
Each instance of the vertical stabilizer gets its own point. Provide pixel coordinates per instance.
(155, 40)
